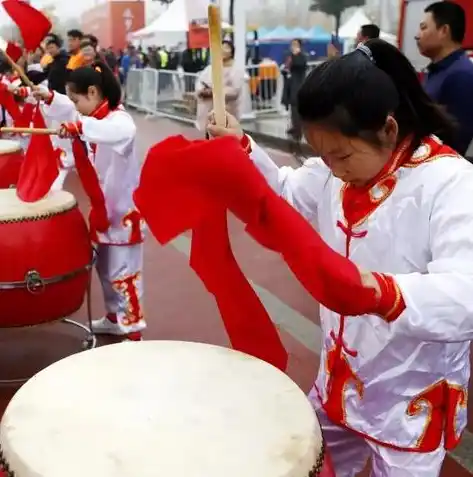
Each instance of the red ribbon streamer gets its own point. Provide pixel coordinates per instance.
(170, 208)
(98, 217)
(190, 186)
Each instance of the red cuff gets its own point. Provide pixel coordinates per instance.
(50, 99)
(73, 129)
(22, 92)
(391, 303)
(246, 144)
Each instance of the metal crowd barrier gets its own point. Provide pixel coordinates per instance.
(172, 94)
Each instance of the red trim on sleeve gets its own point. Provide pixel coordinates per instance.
(246, 144)
(391, 303)
(50, 99)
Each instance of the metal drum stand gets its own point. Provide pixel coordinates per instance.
(35, 284)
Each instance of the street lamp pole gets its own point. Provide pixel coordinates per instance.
(240, 33)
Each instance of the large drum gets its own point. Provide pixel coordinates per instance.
(45, 257)
(11, 157)
(161, 408)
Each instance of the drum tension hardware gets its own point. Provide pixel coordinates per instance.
(317, 469)
(4, 467)
(35, 284)
(315, 472)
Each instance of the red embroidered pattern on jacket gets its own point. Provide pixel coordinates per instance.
(439, 403)
(358, 203)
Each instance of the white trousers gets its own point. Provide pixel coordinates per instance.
(120, 269)
(350, 453)
(58, 184)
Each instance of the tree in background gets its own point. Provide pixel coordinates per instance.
(335, 8)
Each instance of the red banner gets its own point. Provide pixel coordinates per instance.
(198, 36)
(111, 22)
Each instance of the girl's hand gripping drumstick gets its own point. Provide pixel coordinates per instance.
(215, 36)
(17, 68)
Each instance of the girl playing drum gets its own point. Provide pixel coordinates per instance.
(109, 133)
(389, 195)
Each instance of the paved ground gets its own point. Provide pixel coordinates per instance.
(271, 124)
(178, 306)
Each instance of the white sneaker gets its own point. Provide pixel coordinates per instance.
(104, 326)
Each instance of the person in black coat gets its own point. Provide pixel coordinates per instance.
(297, 68)
(57, 70)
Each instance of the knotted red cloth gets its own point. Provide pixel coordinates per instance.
(172, 202)
(190, 186)
(7, 101)
(98, 217)
(40, 166)
(26, 116)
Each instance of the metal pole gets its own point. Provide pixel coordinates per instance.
(240, 33)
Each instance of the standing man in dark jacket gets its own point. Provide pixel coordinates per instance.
(367, 32)
(449, 79)
(297, 66)
(57, 69)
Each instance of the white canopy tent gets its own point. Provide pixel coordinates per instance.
(350, 29)
(170, 27)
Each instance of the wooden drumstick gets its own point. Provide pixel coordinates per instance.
(39, 131)
(17, 68)
(215, 37)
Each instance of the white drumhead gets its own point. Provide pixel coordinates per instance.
(7, 146)
(160, 408)
(12, 207)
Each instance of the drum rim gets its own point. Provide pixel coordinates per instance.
(37, 218)
(319, 452)
(314, 472)
(14, 147)
(41, 216)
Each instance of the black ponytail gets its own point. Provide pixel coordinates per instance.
(99, 75)
(356, 92)
(416, 111)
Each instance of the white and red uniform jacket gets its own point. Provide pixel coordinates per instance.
(110, 137)
(401, 380)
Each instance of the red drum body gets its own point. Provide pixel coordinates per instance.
(11, 158)
(45, 255)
